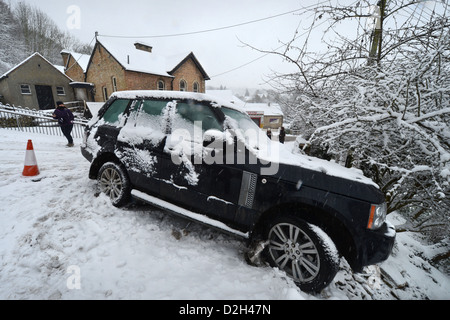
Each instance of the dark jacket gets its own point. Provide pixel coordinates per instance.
(64, 116)
(282, 135)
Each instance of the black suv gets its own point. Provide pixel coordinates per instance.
(206, 160)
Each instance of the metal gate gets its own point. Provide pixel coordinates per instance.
(37, 121)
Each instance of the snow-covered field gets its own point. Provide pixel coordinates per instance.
(60, 239)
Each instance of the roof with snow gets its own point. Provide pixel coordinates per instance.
(272, 109)
(36, 54)
(60, 68)
(144, 60)
(132, 59)
(80, 58)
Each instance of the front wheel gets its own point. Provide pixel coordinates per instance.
(303, 251)
(114, 182)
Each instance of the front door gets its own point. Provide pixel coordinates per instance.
(45, 97)
(140, 144)
(190, 176)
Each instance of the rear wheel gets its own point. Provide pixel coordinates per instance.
(303, 251)
(114, 182)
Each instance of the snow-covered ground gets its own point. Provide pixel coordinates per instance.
(61, 239)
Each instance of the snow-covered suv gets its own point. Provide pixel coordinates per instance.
(205, 159)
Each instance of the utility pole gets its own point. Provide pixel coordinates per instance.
(375, 50)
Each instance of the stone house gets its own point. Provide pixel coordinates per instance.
(35, 83)
(118, 64)
(75, 67)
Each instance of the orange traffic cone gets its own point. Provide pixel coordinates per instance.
(30, 169)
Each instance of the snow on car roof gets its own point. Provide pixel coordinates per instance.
(161, 94)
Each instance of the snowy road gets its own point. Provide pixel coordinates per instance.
(60, 239)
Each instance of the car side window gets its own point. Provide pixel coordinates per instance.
(189, 114)
(151, 114)
(153, 107)
(145, 123)
(115, 111)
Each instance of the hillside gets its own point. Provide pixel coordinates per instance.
(26, 29)
(11, 39)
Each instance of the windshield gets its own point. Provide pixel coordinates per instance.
(238, 120)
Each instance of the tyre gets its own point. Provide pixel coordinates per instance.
(303, 251)
(114, 182)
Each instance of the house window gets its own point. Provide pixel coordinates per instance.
(114, 83)
(25, 89)
(195, 86)
(183, 85)
(60, 91)
(161, 85)
(105, 93)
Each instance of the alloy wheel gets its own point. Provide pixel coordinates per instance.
(293, 251)
(111, 183)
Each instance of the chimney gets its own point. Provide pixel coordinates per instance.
(65, 56)
(143, 46)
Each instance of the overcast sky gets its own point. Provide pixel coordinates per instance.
(222, 53)
(218, 51)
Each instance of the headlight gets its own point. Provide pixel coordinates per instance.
(377, 216)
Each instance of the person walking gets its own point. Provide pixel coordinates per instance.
(65, 120)
(282, 135)
(269, 133)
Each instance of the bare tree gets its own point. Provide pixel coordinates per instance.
(42, 35)
(378, 98)
(12, 41)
